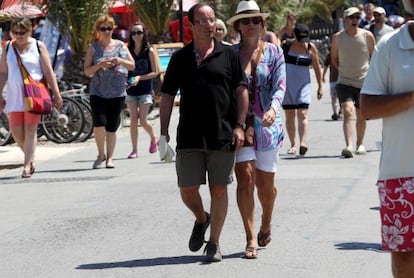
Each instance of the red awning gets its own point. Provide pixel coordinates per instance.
(119, 7)
(15, 8)
(8, 3)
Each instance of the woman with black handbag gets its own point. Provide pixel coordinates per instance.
(35, 58)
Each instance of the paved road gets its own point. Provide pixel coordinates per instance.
(71, 221)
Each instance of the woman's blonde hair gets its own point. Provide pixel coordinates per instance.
(21, 23)
(101, 20)
(222, 25)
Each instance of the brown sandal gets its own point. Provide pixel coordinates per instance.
(263, 239)
(26, 174)
(250, 252)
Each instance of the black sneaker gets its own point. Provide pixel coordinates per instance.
(197, 236)
(335, 117)
(213, 253)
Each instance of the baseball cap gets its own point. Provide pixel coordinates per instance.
(352, 10)
(302, 33)
(379, 10)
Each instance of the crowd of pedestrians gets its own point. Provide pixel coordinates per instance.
(232, 97)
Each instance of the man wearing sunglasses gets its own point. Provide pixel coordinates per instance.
(213, 111)
(350, 53)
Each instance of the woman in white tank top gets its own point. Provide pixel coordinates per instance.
(35, 57)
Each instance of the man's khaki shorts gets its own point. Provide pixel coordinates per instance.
(192, 165)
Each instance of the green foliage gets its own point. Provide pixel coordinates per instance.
(156, 14)
(75, 20)
(305, 10)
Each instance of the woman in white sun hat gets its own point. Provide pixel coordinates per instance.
(264, 66)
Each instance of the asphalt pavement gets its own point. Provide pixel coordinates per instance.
(71, 221)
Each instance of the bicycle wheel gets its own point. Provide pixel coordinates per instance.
(66, 125)
(88, 127)
(5, 134)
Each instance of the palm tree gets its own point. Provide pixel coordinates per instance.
(75, 19)
(304, 9)
(156, 14)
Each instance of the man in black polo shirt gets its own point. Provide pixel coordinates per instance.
(213, 109)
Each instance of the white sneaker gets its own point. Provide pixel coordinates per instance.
(347, 152)
(361, 150)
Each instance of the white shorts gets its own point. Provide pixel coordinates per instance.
(265, 161)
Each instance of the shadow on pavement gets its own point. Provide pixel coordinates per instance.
(359, 246)
(153, 262)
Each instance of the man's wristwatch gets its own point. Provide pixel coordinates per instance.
(241, 125)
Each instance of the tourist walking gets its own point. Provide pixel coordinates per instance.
(36, 59)
(213, 111)
(300, 54)
(350, 53)
(107, 61)
(256, 163)
(140, 91)
(388, 93)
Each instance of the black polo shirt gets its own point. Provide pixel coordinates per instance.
(208, 110)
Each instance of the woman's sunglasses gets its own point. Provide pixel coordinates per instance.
(133, 33)
(104, 29)
(255, 20)
(21, 33)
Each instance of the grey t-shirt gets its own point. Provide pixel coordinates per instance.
(111, 82)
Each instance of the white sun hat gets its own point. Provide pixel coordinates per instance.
(247, 9)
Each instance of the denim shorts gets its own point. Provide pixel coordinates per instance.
(145, 99)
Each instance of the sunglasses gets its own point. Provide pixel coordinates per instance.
(352, 17)
(21, 33)
(255, 20)
(133, 33)
(219, 29)
(104, 29)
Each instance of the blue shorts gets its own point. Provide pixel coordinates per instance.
(145, 99)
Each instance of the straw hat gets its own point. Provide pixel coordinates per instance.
(247, 9)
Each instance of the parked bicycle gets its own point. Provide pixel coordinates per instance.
(5, 134)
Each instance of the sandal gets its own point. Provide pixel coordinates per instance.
(303, 150)
(263, 239)
(26, 174)
(32, 168)
(250, 252)
(292, 151)
(110, 165)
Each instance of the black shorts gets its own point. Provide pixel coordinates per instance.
(295, 106)
(107, 112)
(347, 93)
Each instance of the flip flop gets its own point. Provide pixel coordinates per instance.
(291, 151)
(26, 175)
(250, 252)
(303, 150)
(32, 168)
(263, 239)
